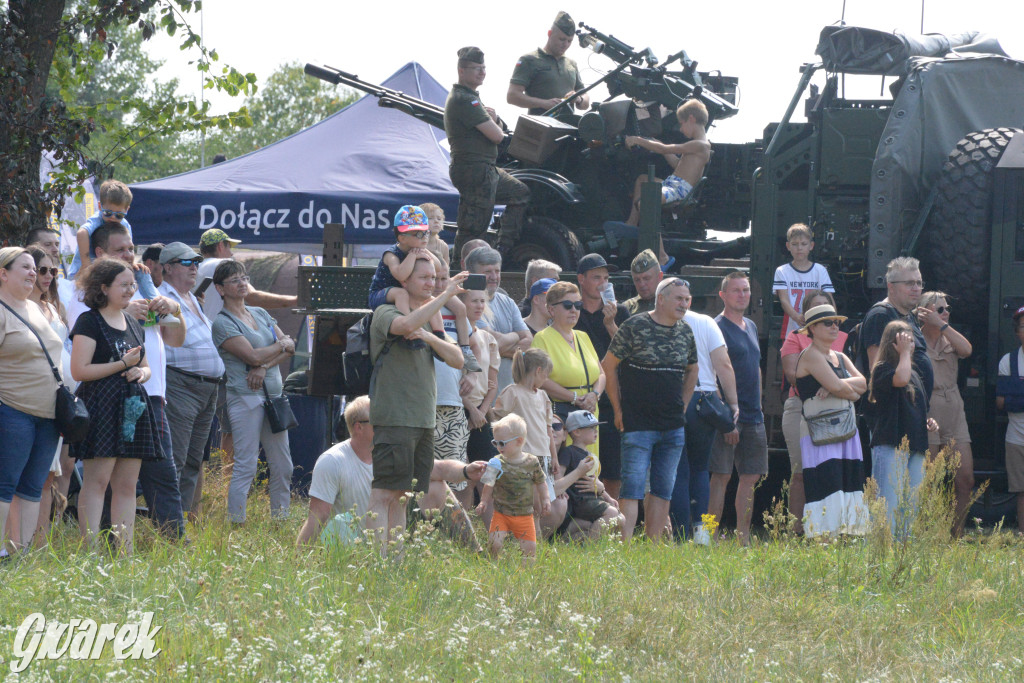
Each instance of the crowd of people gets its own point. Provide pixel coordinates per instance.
(130, 337)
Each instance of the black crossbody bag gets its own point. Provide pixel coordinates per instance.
(70, 413)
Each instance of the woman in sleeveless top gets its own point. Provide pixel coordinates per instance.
(834, 473)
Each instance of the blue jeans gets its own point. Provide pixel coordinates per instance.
(657, 451)
(27, 446)
(159, 479)
(898, 475)
(693, 487)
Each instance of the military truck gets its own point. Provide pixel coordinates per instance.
(934, 170)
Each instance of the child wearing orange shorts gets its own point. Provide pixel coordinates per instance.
(522, 482)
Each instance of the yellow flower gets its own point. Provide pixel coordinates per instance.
(710, 523)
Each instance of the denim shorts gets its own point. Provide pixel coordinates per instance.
(657, 451)
(27, 445)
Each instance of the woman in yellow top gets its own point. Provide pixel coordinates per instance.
(576, 381)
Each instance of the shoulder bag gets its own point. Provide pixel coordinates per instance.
(70, 413)
(714, 412)
(279, 412)
(829, 420)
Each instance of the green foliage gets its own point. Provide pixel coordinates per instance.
(55, 56)
(243, 602)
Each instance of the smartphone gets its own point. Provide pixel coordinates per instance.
(476, 281)
(203, 286)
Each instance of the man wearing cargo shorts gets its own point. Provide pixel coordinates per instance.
(473, 137)
(403, 390)
(746, 447)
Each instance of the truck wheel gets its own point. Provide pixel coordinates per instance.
(957, 246)
(546, 238)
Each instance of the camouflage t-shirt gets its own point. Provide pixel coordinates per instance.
(638, 305)
(463, 112)
(546, 76)
(513, 492)
(653, 361)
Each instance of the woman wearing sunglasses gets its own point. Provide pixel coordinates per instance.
(833, 473)
(576, 381)
(946, 347)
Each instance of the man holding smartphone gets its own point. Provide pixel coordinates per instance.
(600, 319)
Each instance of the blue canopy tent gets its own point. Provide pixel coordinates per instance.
(356, 167)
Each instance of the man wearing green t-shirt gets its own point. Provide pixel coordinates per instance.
(545, 77)
(403, 393)
(473, 137)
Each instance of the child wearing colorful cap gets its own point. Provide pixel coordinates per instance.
(396, 266)
(514, 494)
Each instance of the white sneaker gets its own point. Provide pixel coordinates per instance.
(701, 536)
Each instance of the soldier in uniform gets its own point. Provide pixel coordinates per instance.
(545, 77)
(473, 136)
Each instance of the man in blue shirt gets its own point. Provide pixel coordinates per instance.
(745, 448)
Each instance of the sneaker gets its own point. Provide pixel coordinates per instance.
(471, 364)
(701, 536)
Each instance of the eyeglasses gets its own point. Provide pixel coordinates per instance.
(189, 262)
(909, 283)
(501, 444)
(557, 426)
(235, 281)
(829, 323)
(418, 234)
(107, 213)
(569, 305)
(46, 270)
(129, 286)
(942, 309)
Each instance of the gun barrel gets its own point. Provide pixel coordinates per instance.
(420, 109)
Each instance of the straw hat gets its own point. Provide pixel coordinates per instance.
(819, 313)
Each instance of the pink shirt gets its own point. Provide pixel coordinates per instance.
(796, 342)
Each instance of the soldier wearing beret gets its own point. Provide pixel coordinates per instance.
(473, 136)
(545, 77)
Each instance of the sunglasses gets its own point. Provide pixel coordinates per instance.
(189, 262)
(569, 305)
(107, 213)
(829, 323)
(556, 426)
(942, 309)
(46, 270)
(501, 444)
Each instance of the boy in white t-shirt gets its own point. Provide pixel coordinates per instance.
(1010, 397)
(793, 280)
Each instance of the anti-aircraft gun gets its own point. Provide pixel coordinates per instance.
(581, 175)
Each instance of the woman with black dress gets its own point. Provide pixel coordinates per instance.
(108, 358)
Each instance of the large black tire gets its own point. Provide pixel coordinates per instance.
(545, 238)
(956, 245)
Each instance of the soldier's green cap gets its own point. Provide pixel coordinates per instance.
(644, 261)
(564, 23)
(215, 235)
(471, 54)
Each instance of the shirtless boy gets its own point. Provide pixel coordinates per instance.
(688, 158)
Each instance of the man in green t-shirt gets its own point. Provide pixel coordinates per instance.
(473, 137)
(545, 77)
(404, 395)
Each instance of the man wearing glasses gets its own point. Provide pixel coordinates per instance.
(651, 370)
(473, 137)
(194, 372)
(214, 247)
(545, 77)
(904, 285)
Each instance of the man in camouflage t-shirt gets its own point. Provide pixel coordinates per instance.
(651, 370)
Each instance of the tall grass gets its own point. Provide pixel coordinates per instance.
(242, 603)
